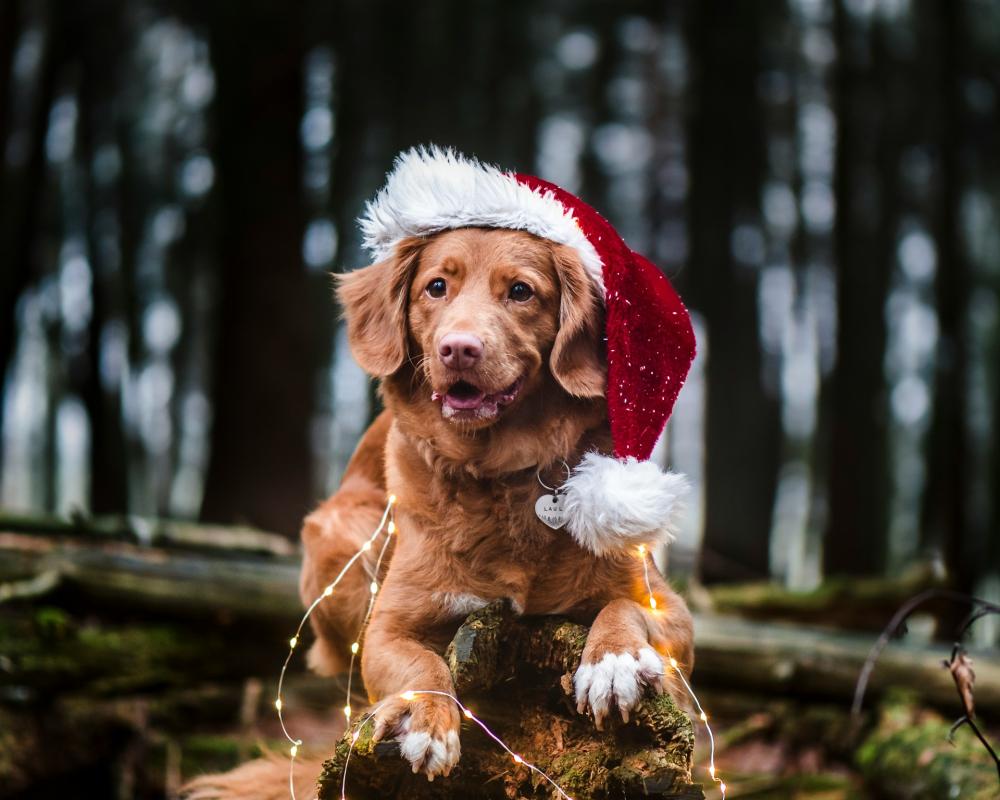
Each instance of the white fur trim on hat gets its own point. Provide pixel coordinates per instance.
(614, 504)
(431, 190)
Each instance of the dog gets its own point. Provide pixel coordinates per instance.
(489, 344)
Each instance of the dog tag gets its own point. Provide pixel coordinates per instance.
(551, 511)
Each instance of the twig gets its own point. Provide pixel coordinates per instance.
(959, 665)
(974, 616)
(898, 619)
(964, 720)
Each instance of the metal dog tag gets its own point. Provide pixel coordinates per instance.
(551, 511)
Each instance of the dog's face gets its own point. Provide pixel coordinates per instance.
(483, 316)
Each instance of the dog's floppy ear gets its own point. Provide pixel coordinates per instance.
(577, 359)
(374, 302)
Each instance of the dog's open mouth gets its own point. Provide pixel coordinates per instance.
(464, 400)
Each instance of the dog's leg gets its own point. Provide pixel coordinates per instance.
(397, 659)
(331, 535)
(626, 652)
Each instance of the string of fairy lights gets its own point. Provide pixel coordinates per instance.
(387, 524)
(644, 556)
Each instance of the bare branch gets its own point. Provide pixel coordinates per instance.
(899, 618)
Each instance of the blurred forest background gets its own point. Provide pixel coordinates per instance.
(819, 178)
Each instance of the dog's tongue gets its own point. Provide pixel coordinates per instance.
(464, 397)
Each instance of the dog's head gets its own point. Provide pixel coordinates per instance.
(482, 317)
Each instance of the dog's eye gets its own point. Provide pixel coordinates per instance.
(520, 292)
(436, 288)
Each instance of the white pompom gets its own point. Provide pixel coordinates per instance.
(615, 504)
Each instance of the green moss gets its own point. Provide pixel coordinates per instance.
(579, 771)
(909, 757)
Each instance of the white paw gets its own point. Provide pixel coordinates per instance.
(433, 755)
(617, 678)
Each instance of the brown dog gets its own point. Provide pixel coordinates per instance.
(489, 346)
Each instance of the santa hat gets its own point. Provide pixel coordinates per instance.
(612, 502)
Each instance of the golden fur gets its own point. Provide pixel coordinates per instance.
(467, 487)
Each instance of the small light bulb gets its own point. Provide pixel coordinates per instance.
(347, 711)
(642, 550)
(704, 718)
(392, 526)
(373, 587)
(356, 735)
(277, 704)
(295, 750)
(711, 771)
(392, 499)
(652, 602)
(468, 714)
(407, 696)
(328, 590)
(354, 648)
(366, 546)
(293, 641)
(722, 786)
(673, 662)
(518, 759)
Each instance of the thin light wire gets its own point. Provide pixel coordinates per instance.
(411, 694)
(704, 718)
(293, 642)
(354, 740)
(356, 644)
(643, 555)
(645, 575)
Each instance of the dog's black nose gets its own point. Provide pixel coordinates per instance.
(460, 350)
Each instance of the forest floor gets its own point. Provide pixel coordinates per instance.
(128, 668)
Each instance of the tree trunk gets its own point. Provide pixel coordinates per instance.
(23, 186)
(264, 383)
(945, 519)
(743, 425)
(856, 537)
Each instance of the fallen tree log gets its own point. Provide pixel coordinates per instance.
(167, 580)
(220, 584)
(517, 675)
(150, 531)
(785, 659)
(859, 604)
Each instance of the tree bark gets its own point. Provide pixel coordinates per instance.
(265, 365)
(946, 498)
(743, 424)
(856, 537)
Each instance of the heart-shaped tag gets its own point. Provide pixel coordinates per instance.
(551, 511)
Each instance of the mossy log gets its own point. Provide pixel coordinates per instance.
(218, 582)
(799, 661)
(516, 674)
(850, 603)
(149, 531)
(177, 580)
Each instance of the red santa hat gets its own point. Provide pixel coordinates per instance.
(612, 502)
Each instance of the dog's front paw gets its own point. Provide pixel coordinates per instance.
(426, 728)
(616, 679)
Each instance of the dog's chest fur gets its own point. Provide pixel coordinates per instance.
(481, 540)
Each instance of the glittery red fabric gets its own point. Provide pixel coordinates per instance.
(649, 336)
